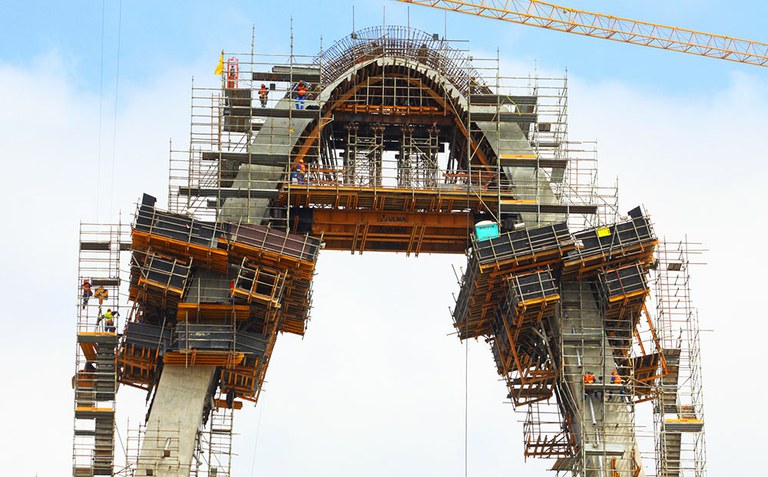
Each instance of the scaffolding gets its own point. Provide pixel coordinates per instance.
(401, 142)
(94, 381)
(565, 315)
(398, 140)
(213, 446)
(208, 301)
(678, 404)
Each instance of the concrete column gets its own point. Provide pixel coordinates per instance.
(176, 414)
(604, 424)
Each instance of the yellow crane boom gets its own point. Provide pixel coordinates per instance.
(570, 20)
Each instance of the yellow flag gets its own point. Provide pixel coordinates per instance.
(220, 66)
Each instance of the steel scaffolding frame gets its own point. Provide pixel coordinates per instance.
(679, 404)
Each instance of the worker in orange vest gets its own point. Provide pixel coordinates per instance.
(263, 95)
(231, 75)
(101, 294)
(301, 94)
(299, 172)
(615, 377)
(87, 293)
(589, 378)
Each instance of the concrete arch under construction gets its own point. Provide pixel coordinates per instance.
(394, 143)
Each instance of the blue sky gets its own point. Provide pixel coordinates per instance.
(177, 33)
(684, 136)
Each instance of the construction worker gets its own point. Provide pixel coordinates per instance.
(301, 94)
(101, 294)
(232, 74)
(615, 377)
(299, 172)
(589, 378)
(263, 95)
(231, 395)
(109, 321)
(87, 293)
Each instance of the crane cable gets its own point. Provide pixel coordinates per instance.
(258, 429)
(101, 101)
(101, 111)
(114, 131)
(117, 90)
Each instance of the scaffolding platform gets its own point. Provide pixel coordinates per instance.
(194, 357)
(611, 246)
(178, 236)
(213, 312)
(260, 284)
(515, 251)
(609, 450)
(492, 262)
(167, 274)
(683, 425)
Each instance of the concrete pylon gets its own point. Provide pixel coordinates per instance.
(176, 414)
(604, 425)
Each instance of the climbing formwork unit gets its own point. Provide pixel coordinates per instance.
(208, 300)
(95, 379)
(566, 319)
(678, 404)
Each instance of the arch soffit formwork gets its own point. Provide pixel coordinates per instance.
(344, 87)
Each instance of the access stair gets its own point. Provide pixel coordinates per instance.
(95, 388)
(95, 381)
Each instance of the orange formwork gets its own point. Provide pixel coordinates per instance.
(137, 365)
(213, 258)
(409, 232)
(195, 357)
(337, 195)
(212, 312)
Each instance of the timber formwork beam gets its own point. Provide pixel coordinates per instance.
(455, 197)
(394, 119)
(409, 232)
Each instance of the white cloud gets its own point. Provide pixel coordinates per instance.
(51, 170)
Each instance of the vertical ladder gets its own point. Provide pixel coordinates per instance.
(94, 382)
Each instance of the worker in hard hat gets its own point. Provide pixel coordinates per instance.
(299, 172)
(589, 378)
(232, 74)
(87, 293)
(263, 95)
(101, 294)
(301, 94)
(109, 321)
(615, 377)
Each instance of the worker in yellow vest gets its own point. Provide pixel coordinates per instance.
(109, 321)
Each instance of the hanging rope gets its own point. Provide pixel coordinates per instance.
(117, 89)
(256, 440)
(101, 101)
